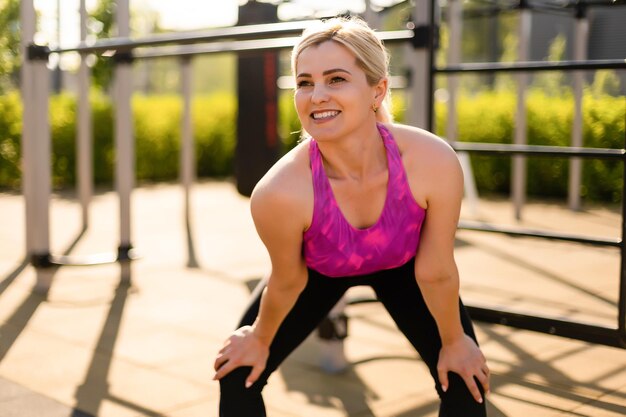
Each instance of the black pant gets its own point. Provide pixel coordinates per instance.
(398, 291)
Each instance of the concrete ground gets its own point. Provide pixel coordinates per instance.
(93, 347)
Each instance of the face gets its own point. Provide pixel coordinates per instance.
(332, 97)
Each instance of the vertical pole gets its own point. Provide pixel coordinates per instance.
(57, 76)
(518, 178)
(84, 142)
(125, 167)
(419, 64)
(187, 155)
(370, 16)
(28, 23)
(455, 22)
(621, 302)
(454, 57)
(580, 54)
(36, 149)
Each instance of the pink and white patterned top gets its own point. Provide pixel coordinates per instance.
(333, 247)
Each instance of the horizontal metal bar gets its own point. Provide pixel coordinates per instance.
(265, 33)
(245, 45)
(53, 261)
(517, 232)
(533, 66)
(215, 47)
(246, 32)
(592, 333)
(539, 150)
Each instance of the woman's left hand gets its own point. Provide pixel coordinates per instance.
(243, 348)
(464, 358)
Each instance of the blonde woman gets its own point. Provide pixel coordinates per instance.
(360, 201)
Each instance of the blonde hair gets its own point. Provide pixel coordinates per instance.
(355, 35)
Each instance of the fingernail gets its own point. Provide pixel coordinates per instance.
(444, 388)
(214, 377)
(248, 384)
(480, 400)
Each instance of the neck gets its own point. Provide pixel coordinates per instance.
(355, 156)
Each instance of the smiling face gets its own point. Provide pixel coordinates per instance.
(333, 97)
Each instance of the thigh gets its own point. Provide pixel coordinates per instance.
(318, 297)
(400, 294)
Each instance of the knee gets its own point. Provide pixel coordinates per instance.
(234, 383)
(458, 400)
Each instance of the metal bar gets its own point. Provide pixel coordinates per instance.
(124, 141)
(28, 24)
(511, 231)
(430, 91)
(539, 150)
(185, 49)
(581, 30)
(246, 32)
(84, 148)
(270, 32)
(519, 166)
(621, 302)
(534, 66)
(593, 333)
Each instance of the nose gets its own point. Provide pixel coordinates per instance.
(319, 93)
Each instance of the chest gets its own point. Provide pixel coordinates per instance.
(361, 201)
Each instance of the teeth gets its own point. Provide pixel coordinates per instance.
(325, 114)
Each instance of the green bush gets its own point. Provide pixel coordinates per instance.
(484, 117)
(489, 117)
(10, 134)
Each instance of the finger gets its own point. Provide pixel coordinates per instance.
(443, 378)
(223, 370)
(254, 375)
(473, 388)
(220, 360)
(483, 378)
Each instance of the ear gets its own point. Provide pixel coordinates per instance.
(380, 91)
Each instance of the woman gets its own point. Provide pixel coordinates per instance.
(361, 201)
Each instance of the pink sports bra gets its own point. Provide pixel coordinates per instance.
(333, 247)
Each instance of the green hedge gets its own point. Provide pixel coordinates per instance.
(484, 117)
(157, 137)
(488, 117)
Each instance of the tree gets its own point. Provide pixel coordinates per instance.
(101, 22)
(9, 44)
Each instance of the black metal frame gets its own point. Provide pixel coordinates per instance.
(255, 37)
(595, 333)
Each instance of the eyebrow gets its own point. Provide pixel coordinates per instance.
(329, 71)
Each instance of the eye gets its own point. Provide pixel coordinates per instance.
(337, 79)
(303, 83)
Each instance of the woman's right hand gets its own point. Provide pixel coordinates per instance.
(242, 348)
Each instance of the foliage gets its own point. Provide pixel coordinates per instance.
(489, 117)
(10, 134)
(9, 43)
(483, 117)
(101, 22)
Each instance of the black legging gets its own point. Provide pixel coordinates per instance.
(397, 290)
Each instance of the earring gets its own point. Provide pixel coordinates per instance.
(375, 108)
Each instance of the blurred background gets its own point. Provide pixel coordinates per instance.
(486, 103)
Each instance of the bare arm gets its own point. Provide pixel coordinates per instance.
(280, 230)
(277, 209)
(437, 274)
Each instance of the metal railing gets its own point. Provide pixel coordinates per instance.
(280, 36)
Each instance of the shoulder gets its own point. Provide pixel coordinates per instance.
(286, 188)
(414, 142)
(430, 162)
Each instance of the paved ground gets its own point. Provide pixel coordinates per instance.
(94, 347)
